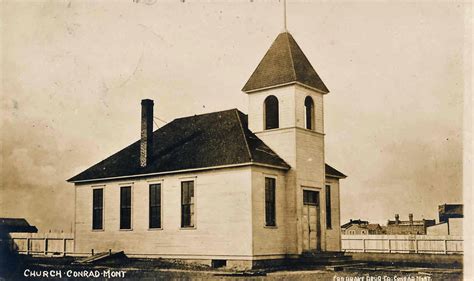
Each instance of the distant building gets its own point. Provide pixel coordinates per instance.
(450, 221)
(360, 227)
(410, 226)
(450, 211)
(11, 225)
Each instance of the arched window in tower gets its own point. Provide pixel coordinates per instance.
(309, 113)
(271, 113)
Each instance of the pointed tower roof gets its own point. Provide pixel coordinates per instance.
(284, 63)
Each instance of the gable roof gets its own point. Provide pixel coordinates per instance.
(284, 63)
(8, 225)
(373, 226)
(331, 172)
(199, 141)
(354, 222)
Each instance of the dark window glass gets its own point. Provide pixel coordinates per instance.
(271, 113)
(155, 206)
(125, 207)
(310, 197)
(187, 204)
(270, 202)
(328, 207)
(97, 208)
(309, 110)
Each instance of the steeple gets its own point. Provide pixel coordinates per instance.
(284, 64)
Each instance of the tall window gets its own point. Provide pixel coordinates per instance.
(154, 220)
(271, 113)
(309, 113)
(328, 207)
(97, 208)
(187, 204)
(270, 202)
(125, 207)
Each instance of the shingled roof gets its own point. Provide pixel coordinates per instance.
(9, 225)
(331, 172)
(200, 141)
(284, 63)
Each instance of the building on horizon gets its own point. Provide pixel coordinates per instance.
(409, 226)
(15, 225)
(360, 227)
(450, 220)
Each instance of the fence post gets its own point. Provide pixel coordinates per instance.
(45, 246)
(416, 245)
(445, 246)
(363, 245)
(27, 246)
(389, 246)
(64, 247)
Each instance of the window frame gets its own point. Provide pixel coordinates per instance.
(131, 207)
(328, 198)
(315, 192)
(193, 204)
(150, 185)
(268, 99)
(102, 226)
(265, 219)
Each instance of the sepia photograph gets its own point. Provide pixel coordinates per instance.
(236, 140)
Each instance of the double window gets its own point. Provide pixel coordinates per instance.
(187, 204)
(125, 207)
(154, 219)
(97, 208)
(270, 218)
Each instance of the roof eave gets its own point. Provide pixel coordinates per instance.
(181, 171)
(249, 91)
(335, 176)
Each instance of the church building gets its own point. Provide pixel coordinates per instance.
(223, 187)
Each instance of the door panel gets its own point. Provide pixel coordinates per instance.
(311, 221)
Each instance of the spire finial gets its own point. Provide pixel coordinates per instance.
(284, 16)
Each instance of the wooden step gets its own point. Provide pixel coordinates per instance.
(98, 257)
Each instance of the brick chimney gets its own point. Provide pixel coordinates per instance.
(397, 219)
(410, 217)
(146, 141)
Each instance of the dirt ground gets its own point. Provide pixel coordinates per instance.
(28, 268)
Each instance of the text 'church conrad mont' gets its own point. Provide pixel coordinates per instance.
(224, 186)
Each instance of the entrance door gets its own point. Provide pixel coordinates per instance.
(311, 221)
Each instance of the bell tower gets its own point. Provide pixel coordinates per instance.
(285, 94)
(286, 112)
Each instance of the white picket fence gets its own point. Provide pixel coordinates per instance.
(42, 243)
(403, 244)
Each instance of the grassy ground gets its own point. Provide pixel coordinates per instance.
(142, 269)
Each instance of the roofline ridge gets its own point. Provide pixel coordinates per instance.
(202, 114)
(291, 54)
(243, 135)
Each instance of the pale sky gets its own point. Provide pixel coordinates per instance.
(74, 72)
